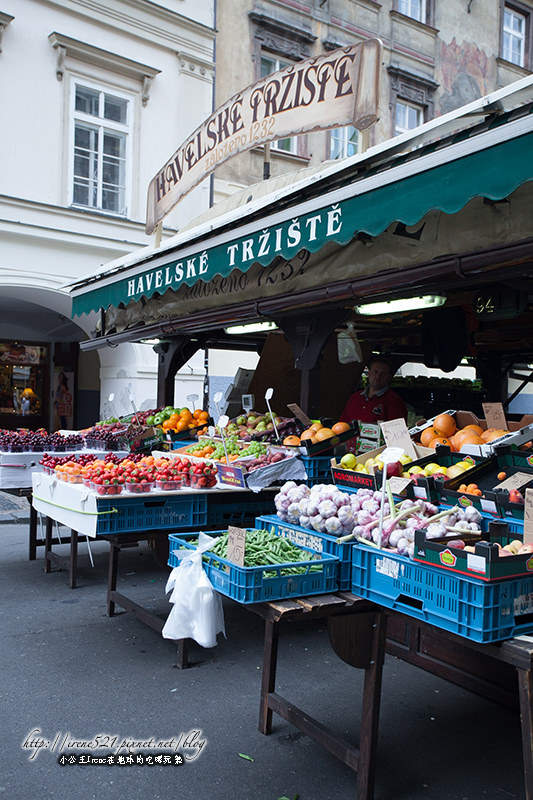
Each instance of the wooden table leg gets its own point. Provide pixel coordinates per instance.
(525, 687)
(268, 679)
(112, 577)
(33, 532)
(183, 653)
(368, 741)
(48, 545)
(73, 567)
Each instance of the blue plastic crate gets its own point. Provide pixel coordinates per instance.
(318, 469)
(221, 512)
(516, 525)
(319, 542)
(475, 609)
(173, 512)
(261, 584)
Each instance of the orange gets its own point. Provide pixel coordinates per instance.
(340, 427)
(476, 428)
(308, 434)
(492, 433)
(427, 435)
(323, 433)
(469, 437)
(315, 426)
(445, 423)
(439, 440)
(293, 441)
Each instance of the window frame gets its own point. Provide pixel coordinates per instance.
(102, 124)
(281, 63)
(407, 104)
(526, 12)
(428, 12)
(345, 141)
(411, 89)
(280, 39)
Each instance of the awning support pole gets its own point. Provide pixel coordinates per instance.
(307, 336)
(172, 355)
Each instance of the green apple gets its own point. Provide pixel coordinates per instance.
(429, 469)
(415, 470)
(405, 459)
(361, 468)
(349, 461)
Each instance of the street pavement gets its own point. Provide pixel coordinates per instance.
(71, 674)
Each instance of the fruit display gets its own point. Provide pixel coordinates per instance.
(252, 425)
(178, 420)
(444, 430)
(317, 432)
(134, 473)
(250, 456)
(357, 515)
(38, 441)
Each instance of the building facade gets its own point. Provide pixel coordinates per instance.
(93, 98)
(438, 55)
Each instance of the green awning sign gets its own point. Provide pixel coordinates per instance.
(493, 172)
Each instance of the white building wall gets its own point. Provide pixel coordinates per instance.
(45, 242)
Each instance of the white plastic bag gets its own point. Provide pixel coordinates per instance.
(348, 347)
(196, 611)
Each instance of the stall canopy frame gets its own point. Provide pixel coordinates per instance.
(366, 195)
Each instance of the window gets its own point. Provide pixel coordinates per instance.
(100, 145)
(411, 99)
(343, 142)
(408, 116)
(514, 36)
(416, 9)
(271, 64)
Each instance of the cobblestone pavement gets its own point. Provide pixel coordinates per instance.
(73, 676)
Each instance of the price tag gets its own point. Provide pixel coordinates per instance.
(488, 505)
(236, 545)
(515, 481)
(396, 434)
(528, 516)
(398, 485)
(295, 409)
(495, 416)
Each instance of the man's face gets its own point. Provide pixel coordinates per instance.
(379, 376)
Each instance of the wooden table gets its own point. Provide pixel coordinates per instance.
(361, 633)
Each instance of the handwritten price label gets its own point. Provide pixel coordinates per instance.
(399, 485)
(528, 516)
(495, 416)
(515, 481)
(396, 434)
(236, 545)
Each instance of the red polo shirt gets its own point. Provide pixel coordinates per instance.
(381, 407)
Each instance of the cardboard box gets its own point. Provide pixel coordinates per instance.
(519, 432)
(361, 480)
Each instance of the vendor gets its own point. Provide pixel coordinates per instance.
(377, 402)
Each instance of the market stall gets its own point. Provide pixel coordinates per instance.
(441, 213)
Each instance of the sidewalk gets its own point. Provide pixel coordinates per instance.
(69, 670)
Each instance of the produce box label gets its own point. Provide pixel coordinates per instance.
(528, 516)
(367, 430)
(231, 476)
(523, 604)
(386, 566)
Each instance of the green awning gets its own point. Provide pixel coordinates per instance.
(368, 205)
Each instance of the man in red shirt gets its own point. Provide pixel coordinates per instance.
(376, 402)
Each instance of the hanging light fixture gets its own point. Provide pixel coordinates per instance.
(398, 306)
(252, 327)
